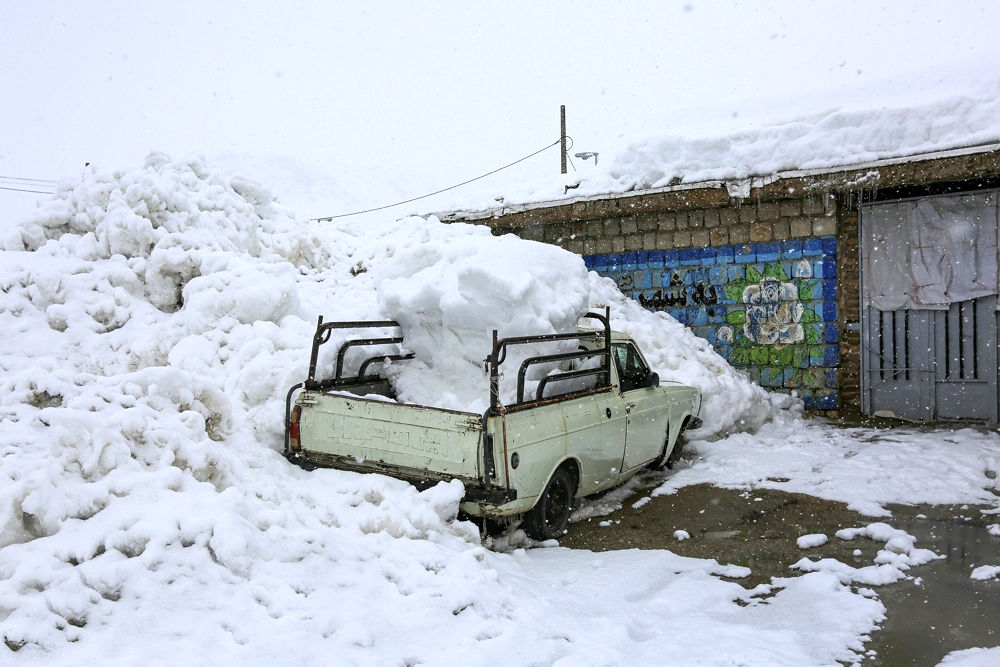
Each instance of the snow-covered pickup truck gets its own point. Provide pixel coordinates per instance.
(533, 456)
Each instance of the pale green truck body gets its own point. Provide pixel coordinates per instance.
(507, 456)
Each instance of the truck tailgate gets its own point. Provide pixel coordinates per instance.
(391, 434)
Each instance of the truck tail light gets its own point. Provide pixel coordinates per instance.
(293, 429)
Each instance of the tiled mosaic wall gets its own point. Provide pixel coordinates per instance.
(768, 308)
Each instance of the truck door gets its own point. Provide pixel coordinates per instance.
(646, 408)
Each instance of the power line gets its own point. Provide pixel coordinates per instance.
(39, 192)
(436, 192)
(29, 180)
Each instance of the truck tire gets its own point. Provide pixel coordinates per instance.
(549, 517)
(675, 453)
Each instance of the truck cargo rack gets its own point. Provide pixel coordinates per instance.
(603, 372)
(322, 335)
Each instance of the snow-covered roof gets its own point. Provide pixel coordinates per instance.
(828, 141)
(865, 174)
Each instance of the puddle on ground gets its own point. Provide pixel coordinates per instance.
(947, 611)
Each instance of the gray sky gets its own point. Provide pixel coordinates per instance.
(394, 99)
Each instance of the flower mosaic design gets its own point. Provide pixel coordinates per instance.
(773, 311)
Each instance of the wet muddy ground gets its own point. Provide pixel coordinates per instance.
(939, 610)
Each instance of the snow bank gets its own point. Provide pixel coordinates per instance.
(449, 294)
(450, 286)
(857, 466)
(153, 320)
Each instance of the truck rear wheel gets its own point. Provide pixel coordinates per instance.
(549, 517)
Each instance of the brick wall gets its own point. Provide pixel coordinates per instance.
(745, 222)
(849, 306)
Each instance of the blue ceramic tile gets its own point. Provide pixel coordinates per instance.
(736, 273)
(825, 399)
(817, 291)
(830, 377)
(717, 275)
(690, 257)
(768, 252)
(656, 259)
(724, 255)
(830, 290)
(807, 399)
(679, 314)
(829, 246)
(696, 316)
(706, 332)
(671, 258)
(831, 355)
(717, 314)
(745, 254)
(829, 268)
(829, 311)
(642, 279)
(830, 334)
(812, 247)
(792, 249)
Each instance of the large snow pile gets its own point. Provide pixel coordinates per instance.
(449, 294)
(153, 320)
(452, 285)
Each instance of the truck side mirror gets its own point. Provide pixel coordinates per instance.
(652, 380)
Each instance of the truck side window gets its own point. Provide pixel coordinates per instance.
(632, 371)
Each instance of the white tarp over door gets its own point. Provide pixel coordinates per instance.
(931, 252)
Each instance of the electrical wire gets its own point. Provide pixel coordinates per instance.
(38, 192)
(29, 180)
(436, 192)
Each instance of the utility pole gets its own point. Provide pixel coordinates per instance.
(562, 136)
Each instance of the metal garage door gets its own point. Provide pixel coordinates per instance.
(927, 361)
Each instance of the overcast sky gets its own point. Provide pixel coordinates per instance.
(394, 99)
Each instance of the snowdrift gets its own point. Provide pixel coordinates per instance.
(154, 319)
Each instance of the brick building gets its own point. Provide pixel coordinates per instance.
(771, 270)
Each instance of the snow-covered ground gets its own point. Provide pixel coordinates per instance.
(863, 467)
(154, 318)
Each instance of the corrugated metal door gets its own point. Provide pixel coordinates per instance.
(929, 364)
(965, 379)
